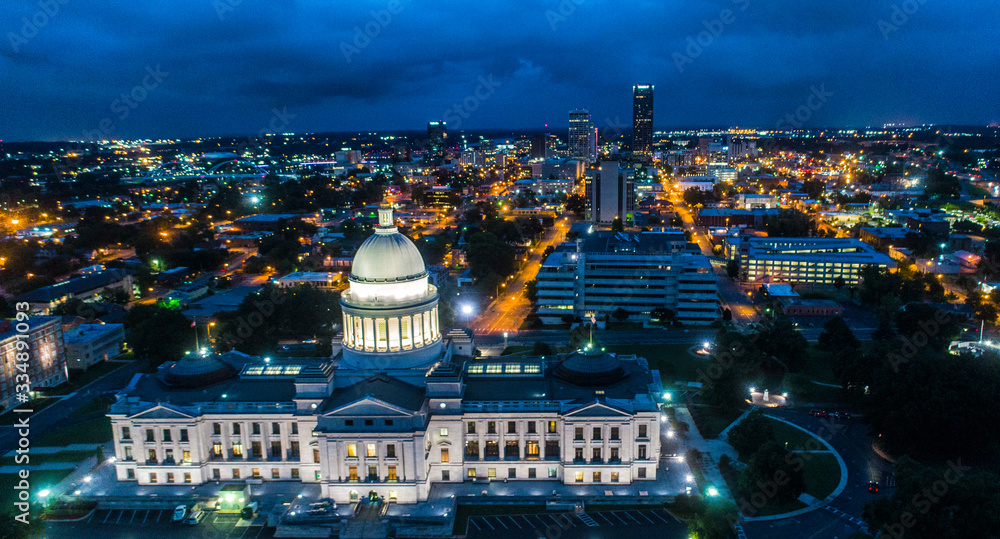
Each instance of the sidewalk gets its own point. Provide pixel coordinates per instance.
(711, 449)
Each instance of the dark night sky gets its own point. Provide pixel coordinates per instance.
(225, 75)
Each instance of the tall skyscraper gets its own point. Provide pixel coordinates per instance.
(437, 132)
(582, 140)
(642, 120)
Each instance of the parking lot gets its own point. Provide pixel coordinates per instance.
(135, 523)
(592, 524)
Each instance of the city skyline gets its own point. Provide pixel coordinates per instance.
(230, 67)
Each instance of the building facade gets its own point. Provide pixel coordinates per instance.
(88, 344)
(582, 139)
(641, 272)
(804, 260)
(34, 347)
(401, 407)
(642, 120)
(611, 193)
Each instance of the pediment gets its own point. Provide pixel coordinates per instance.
(162, 411)
(597, 409)
(369, 407)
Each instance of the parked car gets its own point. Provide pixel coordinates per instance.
(842, 415)
(873, 487)
(819, 413)
(180, 512)
(196, 517)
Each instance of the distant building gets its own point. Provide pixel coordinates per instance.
(636, 272)
(806, 260)
(642, 120)
(811, 307)
(322, 280)
(87, 288)
(46, 356)
(89, 344)
(563, 169)
(440, 196)
(271, 222)
(582, 140)
(751, 201)
(437, 135)
(611, 192)
(883, 238)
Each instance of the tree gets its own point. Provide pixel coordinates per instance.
(663, 314)
(617, 225)
(159, 333)
(620, 314)
(733, 269)
(542, 348)
(714, 522)
(11, 528)
(790, 223)
(577, 204)
(951, 501)
(837, 337)
(751, 434)
(769, 463)
(727, 315)
(839, 282)
(274, 313)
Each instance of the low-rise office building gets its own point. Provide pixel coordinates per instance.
(804, 260)
(86, 288)
(604, 271)
(88, 344)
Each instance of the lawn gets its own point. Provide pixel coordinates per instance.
(97, 404)
(38, 480)
(822, 474)
(674, 361)
(79, 379)
(711, 421)
(62, 456)
(35, 405)
(97, 430)
(795, 438)
(464, 511)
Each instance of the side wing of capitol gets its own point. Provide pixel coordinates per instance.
(399, 408)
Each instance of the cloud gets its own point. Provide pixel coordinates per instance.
(226, 73)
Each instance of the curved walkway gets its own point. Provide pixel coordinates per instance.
(821, 503)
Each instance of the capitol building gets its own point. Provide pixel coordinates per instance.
(401, 406)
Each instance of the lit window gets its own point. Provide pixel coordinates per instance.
(370, 448)
(512, 368)
(352, 450)
(443, 432)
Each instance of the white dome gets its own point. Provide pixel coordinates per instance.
(387, 256)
